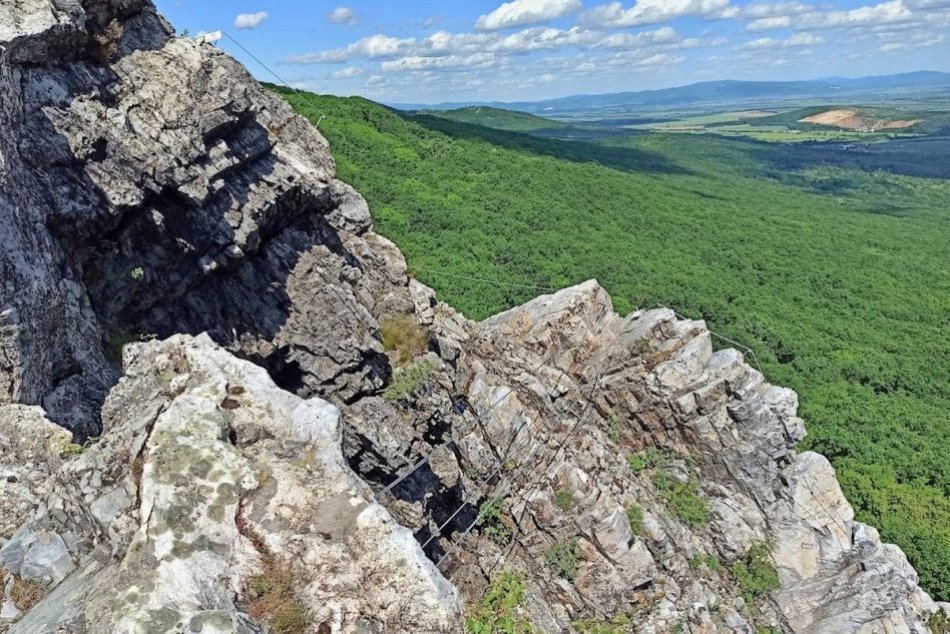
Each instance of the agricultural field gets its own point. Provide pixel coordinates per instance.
(829, 260)
(816, 124)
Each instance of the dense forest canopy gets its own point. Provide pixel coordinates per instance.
(831, 266)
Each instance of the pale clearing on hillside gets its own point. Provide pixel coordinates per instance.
(850, 120)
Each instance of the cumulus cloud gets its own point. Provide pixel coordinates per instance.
(797, 15)
(614, 15)
(524, 12)
(465, 45)
(343, 15)
(347, 73)
(250, 20)
(798, 39)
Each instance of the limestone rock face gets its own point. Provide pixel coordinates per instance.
(210, 484)
(184, 276)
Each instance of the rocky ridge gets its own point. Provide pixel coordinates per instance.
(184, 276)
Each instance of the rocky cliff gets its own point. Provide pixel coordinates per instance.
(226, 407)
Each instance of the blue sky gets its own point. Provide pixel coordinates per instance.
(426, 51)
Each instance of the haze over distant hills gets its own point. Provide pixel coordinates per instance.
(731, 91)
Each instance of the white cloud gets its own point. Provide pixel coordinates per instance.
(758, 11)
(613, 15)
(770, 23)
(347, 73)
(891, 47)
(250, 20)
(798, 39)
(524, 12)
(797, 15)
(343, 15)
(416, 62)
(443, 43)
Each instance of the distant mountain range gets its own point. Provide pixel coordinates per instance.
(726, 91)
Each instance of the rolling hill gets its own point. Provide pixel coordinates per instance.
(709, 92)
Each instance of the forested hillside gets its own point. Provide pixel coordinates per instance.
(836, 276)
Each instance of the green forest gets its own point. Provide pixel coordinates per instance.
(832, 267)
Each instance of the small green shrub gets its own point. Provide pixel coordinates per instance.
(403, 338)
(408, 380)
(564, 500)
(497, 612)
(650, 459)
(755, 573)
(710, 562)
(493, 521)
(564, 558)
(683, 500)
(635, 517)
(73, 449)
(616, 625)
(137, 274)
(614, 429)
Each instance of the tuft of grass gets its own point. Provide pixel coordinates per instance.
(272, 600)
(403, 338)
(710, 562)
(617, 625)
(564, 500)
(73, 449)
(26, 594)
(408, 380)
(755, 573)
(683, 500)
(137, 274)
(564, 558)
(498, 611)
(635, 517)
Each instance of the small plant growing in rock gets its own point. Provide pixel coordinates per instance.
(755, 573)
(137, 274)
(617, 625)
(614, 429)
(683, 500)
(74, 449)
(493, 521)
(105, 45)
(272, 600)
(710, 562)
(564, 500)
(403, 338)
(408, 380)
(498, 611)
(635, 517)
(650, 459)
(563, 559)
(26, 594)
(939, 622)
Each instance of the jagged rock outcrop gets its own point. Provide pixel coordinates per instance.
(150, 187)
(275, 474)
